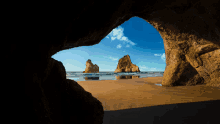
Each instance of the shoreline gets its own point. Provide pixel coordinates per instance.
(142, 92)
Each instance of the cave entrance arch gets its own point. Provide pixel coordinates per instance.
(196, 22)
(176, 58)
(132, 105)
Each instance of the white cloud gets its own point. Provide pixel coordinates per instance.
(157, 54)
(113, 38)
(132, 43)
(119, 46)
(124, 38)
(107, 36)
(144, 68)
(113, 58)
(127, 45)
(123, 51)
(163, 56)
(118, 33)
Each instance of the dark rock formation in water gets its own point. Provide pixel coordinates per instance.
(127, 77)
(91, 78)
(125, 65)
(90, 68)
(37, 93)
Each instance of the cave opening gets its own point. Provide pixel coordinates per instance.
(136, 38)
(190, 32)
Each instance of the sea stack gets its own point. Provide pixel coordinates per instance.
(90, 68)
(125, 65)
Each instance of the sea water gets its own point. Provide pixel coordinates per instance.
(80, 76)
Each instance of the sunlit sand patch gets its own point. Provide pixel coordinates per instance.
(143, 92)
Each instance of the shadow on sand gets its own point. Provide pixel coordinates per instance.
(206, 112)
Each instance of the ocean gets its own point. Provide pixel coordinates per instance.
(80, 76)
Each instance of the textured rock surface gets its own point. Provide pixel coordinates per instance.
(190, 31)
(90, 68)
(192, 57)
(125, 65)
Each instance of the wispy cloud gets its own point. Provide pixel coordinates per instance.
(157, 54)
(119, 46)
(145, 68)
(113, 38)
(127, 45)
(118, 34)
(110, 57)
(163, 56)
(113, 58)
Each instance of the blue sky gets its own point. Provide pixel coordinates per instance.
(135, 37)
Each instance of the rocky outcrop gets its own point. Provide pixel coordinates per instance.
(90, 68)
(125, 65)
(190, 31)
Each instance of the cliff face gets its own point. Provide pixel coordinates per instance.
(125, 65)
(90, 68)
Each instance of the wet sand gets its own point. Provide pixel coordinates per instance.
(143, 92)
(141, 101)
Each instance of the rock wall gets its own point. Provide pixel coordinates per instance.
(90, 68)
(125, 65)
(39, 92)
(188, 45)
(61, 100)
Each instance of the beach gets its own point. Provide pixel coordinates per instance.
(144, 92)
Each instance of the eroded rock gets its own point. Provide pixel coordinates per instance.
(125, 65)
(185, 48)
(90, 68)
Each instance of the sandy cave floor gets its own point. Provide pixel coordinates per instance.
(142, 92)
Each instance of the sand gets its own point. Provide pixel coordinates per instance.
(143, 92)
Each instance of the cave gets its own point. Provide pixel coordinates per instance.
(39, 93)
